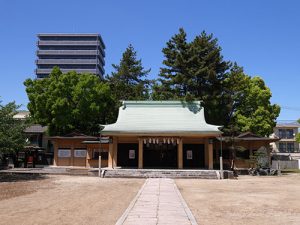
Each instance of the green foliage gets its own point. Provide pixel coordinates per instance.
(129, 82)
(196, 70)
(259, 159)
(256, 113)
(298, 135)
(68, 102)
(12, 137)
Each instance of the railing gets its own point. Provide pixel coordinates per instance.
(67, 61)
(48, 71)
(71, 43)
(96, 43)
(295, 150)
(287, 137)
(67, 52)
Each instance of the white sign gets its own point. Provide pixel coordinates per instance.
(189, 154)
(80, 153)
(131, 154)
(64, 153)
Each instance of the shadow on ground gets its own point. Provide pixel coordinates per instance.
(15, 177)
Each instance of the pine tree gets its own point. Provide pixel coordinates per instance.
(194, 70)
(197, 70)
(129, 82)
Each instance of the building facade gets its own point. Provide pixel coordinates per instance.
(83, 53)
(161, 134)
(38, 150)
(147, 134)
(79, 150)
(243, 150)
(287, 145)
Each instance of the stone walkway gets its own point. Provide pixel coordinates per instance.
(158, 202)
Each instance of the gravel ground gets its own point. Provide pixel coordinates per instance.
(90, 200)
(248, 200)
(13, 185)
(65, 200)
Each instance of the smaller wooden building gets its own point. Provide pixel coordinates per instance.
(80, 150)
(242, 148)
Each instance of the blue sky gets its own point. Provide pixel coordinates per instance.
(261, 36)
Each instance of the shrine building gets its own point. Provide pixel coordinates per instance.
(161, 134)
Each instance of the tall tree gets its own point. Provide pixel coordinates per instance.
(68, 102)
(12, 137)
(234, 87)
(256, 113)
(194, 70)
(197, 70)
(128, 81)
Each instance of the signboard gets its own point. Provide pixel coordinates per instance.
(131, 154)
(189, 154)
(80, 153)
(64, 153)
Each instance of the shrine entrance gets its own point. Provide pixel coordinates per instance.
(160, 156)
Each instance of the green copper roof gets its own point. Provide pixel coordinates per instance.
(161, 117)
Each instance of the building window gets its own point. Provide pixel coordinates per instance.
(64, 153)
(290, 147)
(289, 134)
(286, 133)
(96, 154)
(242, 153)
(80, 153)
(281, 133)
(103, 153)
(282, 147)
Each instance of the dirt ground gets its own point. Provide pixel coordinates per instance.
(66, 200)
(248, 200)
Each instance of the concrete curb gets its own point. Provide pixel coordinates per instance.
(132, 203)
(185, 206)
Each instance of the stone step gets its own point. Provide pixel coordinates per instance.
(146, 173)
(82, 171)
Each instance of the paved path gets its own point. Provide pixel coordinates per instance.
(158, 202)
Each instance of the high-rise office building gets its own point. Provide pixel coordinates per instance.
(83, 53)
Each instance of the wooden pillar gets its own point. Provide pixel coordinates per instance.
(110, 154)
(115, 151)
(141, 151)
(89, 153)
(206, 154)
(180, 154)
(210, 155)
